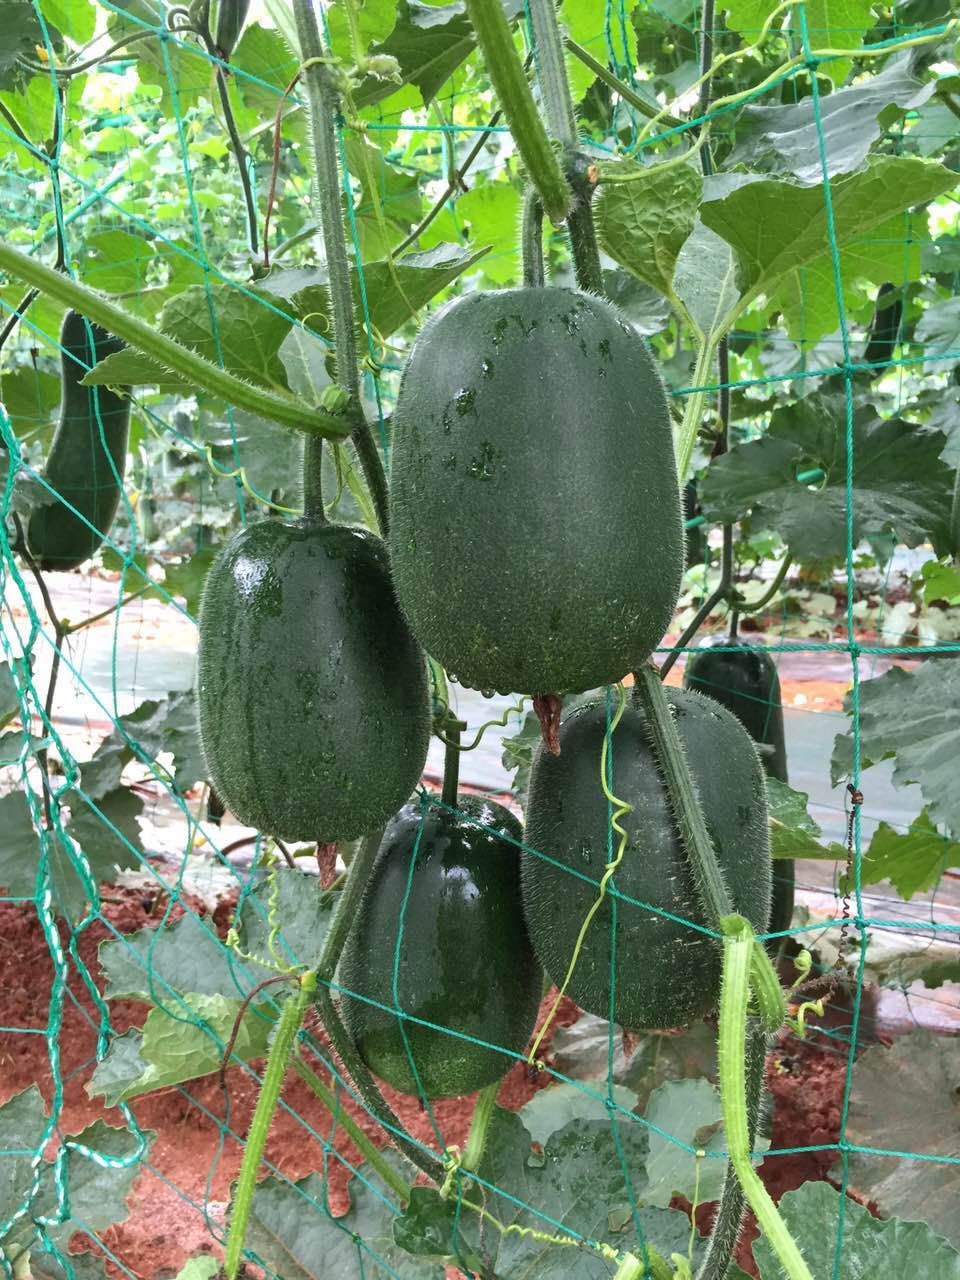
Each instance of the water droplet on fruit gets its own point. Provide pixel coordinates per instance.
(452, 679)
(486, 368)
(464, 401)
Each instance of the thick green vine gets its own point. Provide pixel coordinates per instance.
(507, 75)
(281, 407)
(283, 1041)
(323, 102)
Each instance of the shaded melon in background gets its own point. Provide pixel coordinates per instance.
(667, 973)
(744, 679)
(465, 962)
(536, 536)
(88, 454)
(313, 695)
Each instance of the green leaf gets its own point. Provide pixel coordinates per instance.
(871, 1249)
(270, 65)
(159, 964)
(102, 847)
(913, 716)
(492, 211)
(705, 279)
(76, 19)
(9, 698)
(159, 63)
(938, 330)
(576, 1181)
(271, 458)
(837, 24)
(375, 20)
(302, 917)
(793, 833)
(292, 1233)
(382, 185)
(786, 139)
(184, 1044)
(905, 1099)
(434, 1227)
(395, 291)
(940, 582)
(808, 298)
(689, 1111)
(429, 42)
(900, 483)
(204, 1267)
(168, 724)
(30, 397)
(550, 1110)
(21, 37)
(643, 224)
(186, 579)
(914, 861)
(777, 227)
(116, 261)
(250, 326)
(108, 835)
(22, 1127)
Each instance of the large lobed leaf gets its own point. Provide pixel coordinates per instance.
(904, 1099)
(869, 1249)
(900, 485)
(913, 716)
(776, 228)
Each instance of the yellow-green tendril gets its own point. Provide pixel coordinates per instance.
(738, 945)
(620, 809)
(283, 1041)
(499, 723)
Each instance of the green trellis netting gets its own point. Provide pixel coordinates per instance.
(119, 883)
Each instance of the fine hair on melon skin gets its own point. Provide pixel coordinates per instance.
(313, 696)
(448, 886)
(536, 537)
(667, 966)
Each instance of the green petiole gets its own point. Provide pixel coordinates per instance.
(284, 1037)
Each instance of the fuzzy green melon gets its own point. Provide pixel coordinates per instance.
(88, 454)
(667, 972)
(466, 964)
(536, 536)
(313, 694)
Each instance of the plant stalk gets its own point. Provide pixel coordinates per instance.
(505, 69)
(283, 1041)
(366, 1086)
(280, 407)
(451, 768)
(323, 102)
(531, 240)
(372, 1154)
(712, 891)
(552, 73)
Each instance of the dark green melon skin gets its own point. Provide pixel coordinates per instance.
(667, 973)
(313, 694)
(536, 537)
(465, 958)
(87, 454)
(744, 679)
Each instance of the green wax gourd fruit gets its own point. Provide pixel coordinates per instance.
(667, 973)
(465, 963)
(313, 695)
(744, 679)
(536, 536)
(231, 15)
(88, 454)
